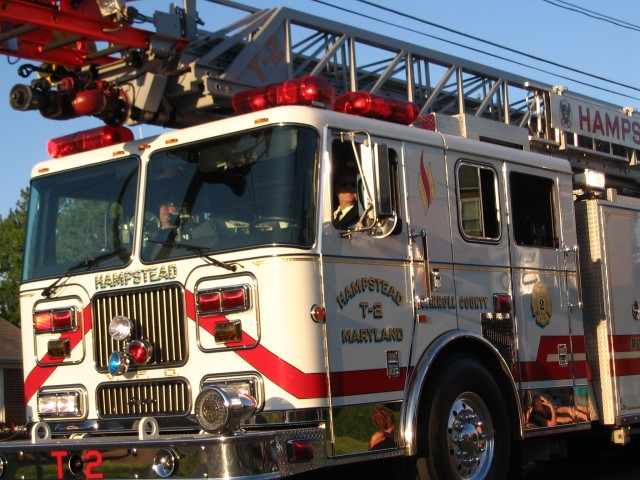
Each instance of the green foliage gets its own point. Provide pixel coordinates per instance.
(81, 229)
(12, 233)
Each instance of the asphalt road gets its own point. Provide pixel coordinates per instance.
(611, 463)
(606, 462)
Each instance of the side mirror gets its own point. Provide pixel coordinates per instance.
(379, 191)
(377, 172)
(383, 196)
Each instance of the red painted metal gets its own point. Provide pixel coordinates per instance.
(58, 33)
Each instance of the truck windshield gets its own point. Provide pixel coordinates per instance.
(82, 218)
(238, 191)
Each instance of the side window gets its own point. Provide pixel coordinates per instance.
(347, 194)
(478, 208)
(533, 204)
(345, 184)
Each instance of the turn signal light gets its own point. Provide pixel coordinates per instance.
(49, 321)
(209, 302)
(366, 104)
(309, 90)
(88, 140)
(223, 300)
(234, 299)
(502, 303)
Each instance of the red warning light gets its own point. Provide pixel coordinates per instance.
(88, 140)
(366, 104)
(310, 90)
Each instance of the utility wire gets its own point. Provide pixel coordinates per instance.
(593, 14)
(497, 45)
(483, 52)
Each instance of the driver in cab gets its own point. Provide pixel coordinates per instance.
(168, 214)
(346, 214)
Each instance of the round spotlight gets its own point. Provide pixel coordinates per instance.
(140, 351)
(165, 463)
(222, 409)
(120, 327)
(118, 363)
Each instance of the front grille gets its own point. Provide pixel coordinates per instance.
(159, 398)
(158, 316)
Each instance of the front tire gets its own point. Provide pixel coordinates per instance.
(468, 426)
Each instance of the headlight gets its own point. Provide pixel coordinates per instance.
(61, 404)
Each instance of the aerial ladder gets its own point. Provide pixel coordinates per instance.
(96, 60)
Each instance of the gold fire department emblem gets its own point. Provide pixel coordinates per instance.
(541, 303)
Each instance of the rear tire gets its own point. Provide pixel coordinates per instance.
(468, 426)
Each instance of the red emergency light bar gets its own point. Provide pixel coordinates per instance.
(88, 140)
(309, 90)
(366, 104)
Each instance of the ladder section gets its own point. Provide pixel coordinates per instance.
(274, 45)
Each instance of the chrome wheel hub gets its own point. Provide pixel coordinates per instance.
(470, 437)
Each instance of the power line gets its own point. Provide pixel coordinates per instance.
(493, 55)
(593, 14)
(497, 45)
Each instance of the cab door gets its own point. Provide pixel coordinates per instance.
(549, 326)
(481, 250)
(369, 309)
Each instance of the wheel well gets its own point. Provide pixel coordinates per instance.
(487, 356)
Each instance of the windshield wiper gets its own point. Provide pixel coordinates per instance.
(87, 263)
(201, 251)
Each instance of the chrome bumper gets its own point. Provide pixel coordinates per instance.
(256, 455)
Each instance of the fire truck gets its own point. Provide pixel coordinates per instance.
(192, 308)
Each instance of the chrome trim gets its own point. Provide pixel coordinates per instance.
(258, 455)
(409, 419)
(256, 384)
(138, 398)
(544, 432)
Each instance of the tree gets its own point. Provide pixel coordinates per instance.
(12, 234)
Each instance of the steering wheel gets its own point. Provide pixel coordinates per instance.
(151, 225)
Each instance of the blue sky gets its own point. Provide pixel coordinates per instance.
(536, 27)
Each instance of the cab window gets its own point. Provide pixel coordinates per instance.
(347, 186)
(478, 202)
(533, 204)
